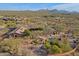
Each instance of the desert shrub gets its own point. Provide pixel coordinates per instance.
(26, 33)
(4, 48)
(10, 23)
(35, 42)
(54, 46)
(47, 44)
(11, 46)
(35, 29)
(45, 16)
(55, 50)
(2, 22)
(59, 27)
(55, 42)
(65, 47)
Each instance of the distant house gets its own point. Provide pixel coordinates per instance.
(5, 18)
(8, 18)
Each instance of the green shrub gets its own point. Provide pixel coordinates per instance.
(55, 42)
(26, 33)
(10, 24)
(47, 45)
(55, 50)
(66, 47)
(53, 46)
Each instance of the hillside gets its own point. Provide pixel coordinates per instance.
(41, 32)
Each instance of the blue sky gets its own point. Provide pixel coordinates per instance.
(26, 6)
(37, 6)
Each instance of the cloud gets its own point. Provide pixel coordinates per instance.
(68, 7)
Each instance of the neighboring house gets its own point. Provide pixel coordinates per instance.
(14, 32)
(5, 18)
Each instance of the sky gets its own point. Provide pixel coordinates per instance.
(26, 6)
(37, 6)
